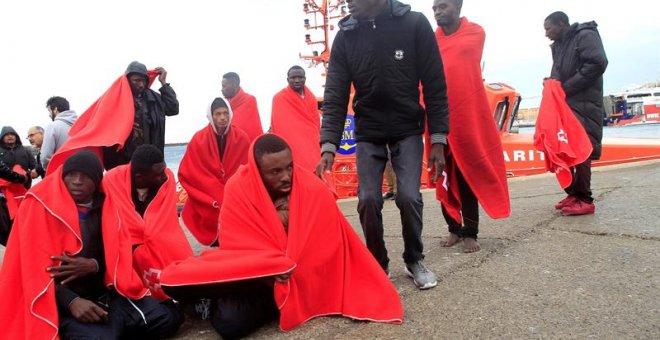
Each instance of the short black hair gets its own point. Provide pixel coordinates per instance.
(267, 144)
(145, 157)
(59, 102)
(294, 67)
(558, 17)
(233, 76)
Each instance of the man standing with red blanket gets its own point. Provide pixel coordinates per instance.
(212, 157)
(475, 171)
(296, 118)
(141, 197)
(244, 105)
(285, 248)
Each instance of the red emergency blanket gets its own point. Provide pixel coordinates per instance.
(14, 192)
(246, 114)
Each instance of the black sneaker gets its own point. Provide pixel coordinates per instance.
(423, 277)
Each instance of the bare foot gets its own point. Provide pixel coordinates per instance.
(470, 245)
(451, 240)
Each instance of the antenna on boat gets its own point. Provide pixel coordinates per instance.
(321, 17)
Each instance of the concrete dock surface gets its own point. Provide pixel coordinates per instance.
(539, 275)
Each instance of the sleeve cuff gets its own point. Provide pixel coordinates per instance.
(328, 147)
(439, 138)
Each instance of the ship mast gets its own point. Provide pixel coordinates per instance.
(321, 16)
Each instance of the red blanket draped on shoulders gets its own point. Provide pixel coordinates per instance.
(203, 175)
(47, 224)
(476, 149)
(14, 192)
(161, 238)
(297, 120)
(106, 123)
(333, 272)
(559, 134)
(246, 114)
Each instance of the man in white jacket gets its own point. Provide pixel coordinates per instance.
(58, 131)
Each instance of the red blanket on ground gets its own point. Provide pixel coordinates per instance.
(204, 176)
(476, 149)
(246, 114)
(333, 272)
(106, 123)
(158, 232)
(47, 224)
(298, 121)
(14, 192)
(559, 134)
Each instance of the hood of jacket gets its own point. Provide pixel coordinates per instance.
(393, 7)
(576, 27)
(9, 130)
(209, 116)
(68, 117)
(137, 68)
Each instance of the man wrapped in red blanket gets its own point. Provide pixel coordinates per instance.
(285, 248)
(244, 105)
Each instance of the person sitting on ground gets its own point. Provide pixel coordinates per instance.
(212, 157)
(285, 248)
(66, 276)
(141, 197)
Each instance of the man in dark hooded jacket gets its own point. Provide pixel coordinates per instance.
(150, 111)
(579, 62)
(13, 152)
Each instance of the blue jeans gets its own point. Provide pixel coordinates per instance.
(406, 157)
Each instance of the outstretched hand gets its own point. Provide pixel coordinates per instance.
(71, 268)
(325, 165)
(436, 162)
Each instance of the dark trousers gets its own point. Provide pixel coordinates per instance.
(469, 211)
(238, 308)
(147, 318)
(581, 185)
(406, 158)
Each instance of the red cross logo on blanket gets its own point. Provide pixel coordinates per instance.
(151, 278)
(562, 136)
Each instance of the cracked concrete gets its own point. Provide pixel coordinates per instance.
(539, 274)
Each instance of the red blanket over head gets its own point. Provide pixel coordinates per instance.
(106, 123)
(333, 272)
(204, 176)
(476, 149)
(47, 225)
(14, 192)
(298, 121)
(246, 114)
(161, 238)
(559, 134)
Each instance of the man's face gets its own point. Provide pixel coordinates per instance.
(9, 139)
(80, 186)
(138, 83)
(35, 137)
(446, 12)
(553, 31)
(296, 79)
(220, 118)
(152, 179)
(229, 88)
(362, 9)
(276, 170)
(53, 112)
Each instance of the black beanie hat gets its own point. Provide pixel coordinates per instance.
(86, 162)
(218, 102)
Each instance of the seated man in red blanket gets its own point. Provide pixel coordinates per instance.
(212, 157)
(65, 275)
(141, 197)
(285, 249)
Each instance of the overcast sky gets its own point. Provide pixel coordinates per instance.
(76, 49)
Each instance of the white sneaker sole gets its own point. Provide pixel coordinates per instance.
(428, 285)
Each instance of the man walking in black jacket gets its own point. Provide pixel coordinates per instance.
(579, 62)
(385, 50)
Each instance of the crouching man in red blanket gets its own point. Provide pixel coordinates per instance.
(141, 197)
(296, 118)
(212, 157)
(285, 248)
(67, 276)
(475, 171)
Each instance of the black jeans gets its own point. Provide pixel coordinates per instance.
(469, 211)
(147, 318)
(406, 158)
(238, 308)
(581, 185)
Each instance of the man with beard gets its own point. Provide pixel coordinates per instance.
(35, 136)
(58, 131)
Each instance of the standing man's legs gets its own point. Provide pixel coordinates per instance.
(469, 230)
(580, 190)
(371, 159)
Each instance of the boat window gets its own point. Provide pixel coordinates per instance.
(500, 113)
(514, 113)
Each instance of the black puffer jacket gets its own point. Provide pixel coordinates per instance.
(385, 59)
(17, 154)
(579, 62)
